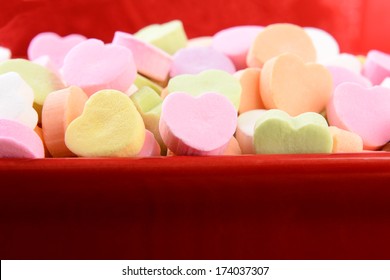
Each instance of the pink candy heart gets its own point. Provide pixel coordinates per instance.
(54, 46)
(94, 66)
(364, 111)
(200, 125)
(377, 66)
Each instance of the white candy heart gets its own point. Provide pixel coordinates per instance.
(16, 100)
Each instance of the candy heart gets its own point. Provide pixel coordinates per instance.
(151, 148)
(169, 36)
(325, 44)
(141, 81)
(345, 141)
(110, 126)
(245, 129)
(40, 79)
(288, 84)
(16, 100)
(5, 54)
(59, 110)
(347, 61)
(364, 111)
(52, 45)
(148, 104)
(250, 89)
(94, 66)
(208, 81)
(197, 59)
(342, 75)
(278, 133)
(200, 125)
(280, 38)
(150, 60)
(235, 42)
(377, 66)
(19, 141)
(204, 41)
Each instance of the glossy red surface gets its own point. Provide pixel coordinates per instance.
(247, 207)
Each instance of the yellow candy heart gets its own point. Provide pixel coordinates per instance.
(110, 126)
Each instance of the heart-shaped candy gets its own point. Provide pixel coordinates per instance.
(5, 54)
(325, 44)
(289, 84)
(280, 38)
(377, 66)
(148, 104)
(208, 81)
(41, 80)
(54, 46)
(19, 141)
(194, 60)
(364, 111)
(250, 89)
(61, 108)
(151, 61)
(16, 100)
(278, 133)
(169, 36)
(94, 66)
(345, 141)
(200, 125)
(235, 42)
(110, 126)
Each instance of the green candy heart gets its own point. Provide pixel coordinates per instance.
(169, 36)
(276, 132)
(208, 81)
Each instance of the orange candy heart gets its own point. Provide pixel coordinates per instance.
(290, 84)
(280, 38)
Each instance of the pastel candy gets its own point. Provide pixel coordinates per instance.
(41, 80)
(347, 61)
(148, 104)
(19, 141)
(364, 111)
(169, 36)
(59, 110)
(250, 94)
(198, 59)
(38, 130)
(54, 46)
(386, 82)
(151, 148)
(276, 39)
(5, 54)
(377, 66)
(110, 126)
(199, 126)
(325, 44)
(245, 130)
(46, 62)
(345, 141)
(16, 100)
(94, 66)
(203, 41)
(289, 84)
(233, 148)
(278, 133)
(208, 81)
(141, 81)
(150, 60)
(235, 42)
(342, 75)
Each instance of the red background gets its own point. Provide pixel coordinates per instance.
(358, 25)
